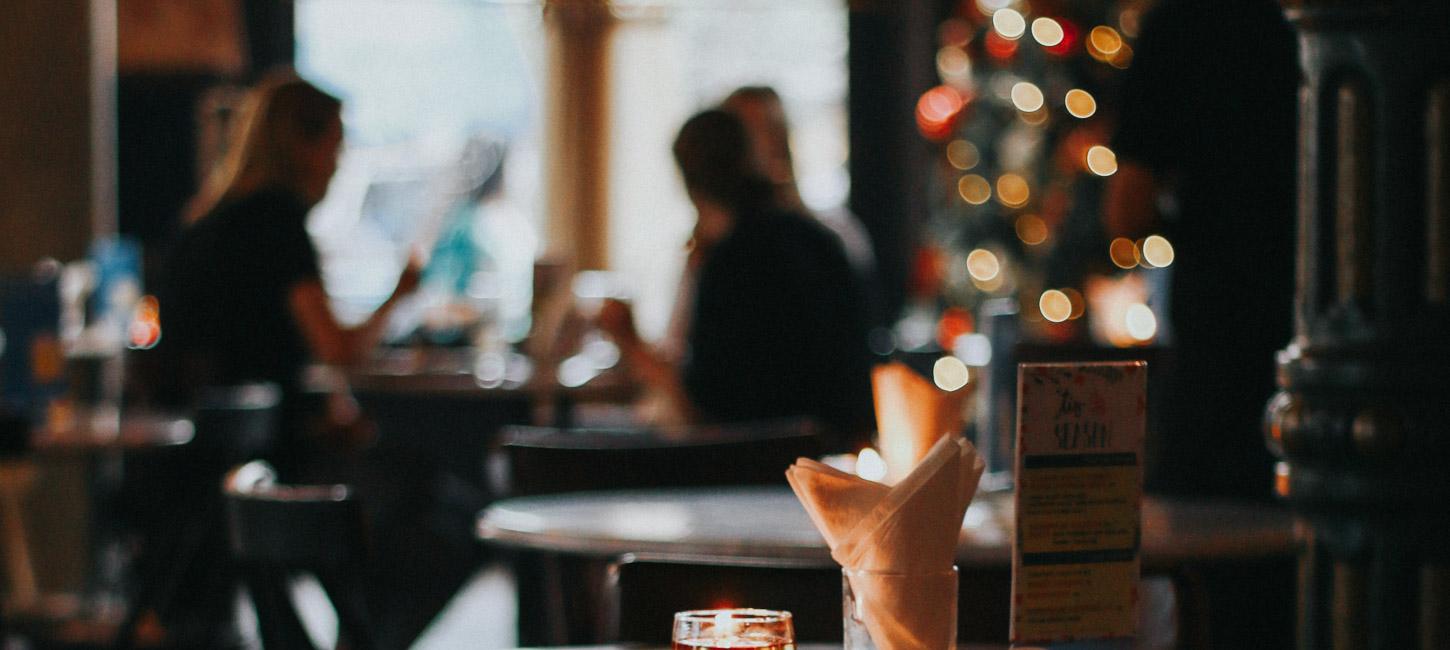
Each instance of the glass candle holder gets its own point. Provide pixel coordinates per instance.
(712, 629)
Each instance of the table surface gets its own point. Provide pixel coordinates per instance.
(768, 524)
(802, 646)
(112, 430)
(822, 646)
(464, 372)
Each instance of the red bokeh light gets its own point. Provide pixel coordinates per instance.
(937, 112)
(1070, 36)
(955, 322)
(998, 47)
(927, 269)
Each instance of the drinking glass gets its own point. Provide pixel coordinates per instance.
(716, 629)
(916, 609)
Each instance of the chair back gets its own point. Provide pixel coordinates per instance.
(278, 531)
(547, 461)
(235, 423)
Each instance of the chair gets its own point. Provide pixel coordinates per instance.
(278, 531)
(173, 494)
(548, 461)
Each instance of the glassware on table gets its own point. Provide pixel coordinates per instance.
(717, 629)
(921, 604)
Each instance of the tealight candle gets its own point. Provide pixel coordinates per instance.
(719, 629)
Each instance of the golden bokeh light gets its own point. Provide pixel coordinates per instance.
(1012, 190)
(1282, 483)
(1101, 160)
(989, 7)
(870, 466)
(1035, 118)
(950, 374)
(1031, 229)
(1105, 40)
(1047, 32)
(1009, 23)
(148, 308)
(989, 286)
(1123, 252)
(1080, 103)
(1122, 58)
(955, 31)
(1079, 305)
(982, 265)
(1026, 96)
(974, 189)
(1055, 305)
(1157, 251)
(1129, 21)
(1142, 325)
(963, 155)
(954, 65)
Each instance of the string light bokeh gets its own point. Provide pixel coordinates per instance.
(1023, 119)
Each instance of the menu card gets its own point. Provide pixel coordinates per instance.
(1079, 491)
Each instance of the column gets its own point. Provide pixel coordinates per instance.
(57, 129)
(577, 131)
(1361, 421)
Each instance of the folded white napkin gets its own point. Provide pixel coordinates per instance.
(910, 528)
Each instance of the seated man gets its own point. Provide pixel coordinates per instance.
(777, 326)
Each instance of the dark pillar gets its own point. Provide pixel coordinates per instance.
(891, 63)
(271, 33)
(1361, 421)
(57, 129)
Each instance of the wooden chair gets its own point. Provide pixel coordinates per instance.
(562, 599)
(547, 461)
(278, 531)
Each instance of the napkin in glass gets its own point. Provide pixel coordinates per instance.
(910, 528)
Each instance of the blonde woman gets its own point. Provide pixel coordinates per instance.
(244, 303)
(244, 300)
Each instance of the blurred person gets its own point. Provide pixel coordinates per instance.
(1205, 145)
(776, 327)
(762, 112)
(243, 301)
(478, 281)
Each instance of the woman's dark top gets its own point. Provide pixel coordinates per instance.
(779, 329)
(225, 308)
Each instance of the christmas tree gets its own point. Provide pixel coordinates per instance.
(1023, 118)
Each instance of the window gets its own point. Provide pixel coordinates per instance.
(437, 93)
(422, 77)
(673, 60)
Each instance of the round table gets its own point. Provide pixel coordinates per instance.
(798, 646)
(769, 524)
(109, 431)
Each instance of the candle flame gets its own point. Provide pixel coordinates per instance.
(725, 625)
